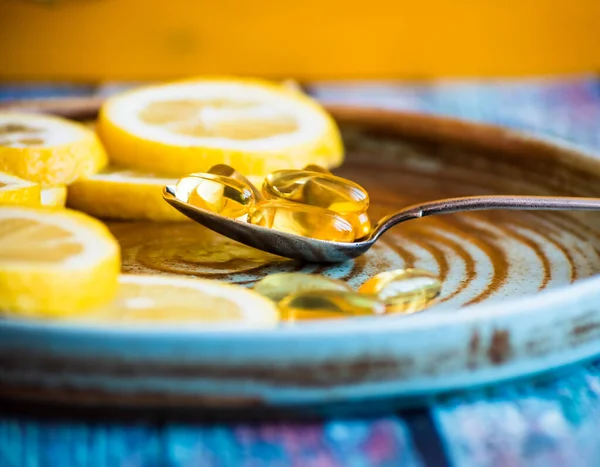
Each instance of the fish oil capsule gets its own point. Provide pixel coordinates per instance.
(316, 189)
(361, 224)
(299, 219)
(280, 285)
(328, 304)
(404, 290)
(217, 193)
(228, 171)
(317, 168)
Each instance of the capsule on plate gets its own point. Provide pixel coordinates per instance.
(303, 220)
(279, 285)
(217, 193)
(328, 304)
(316, 189)
(404, 290)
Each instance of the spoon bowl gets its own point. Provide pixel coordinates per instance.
(321, 251)
(270, 240)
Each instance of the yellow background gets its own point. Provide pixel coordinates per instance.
(306, 39)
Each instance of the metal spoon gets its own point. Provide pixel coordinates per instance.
(321, 251)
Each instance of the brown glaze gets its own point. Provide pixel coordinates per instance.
(324, 374)
(474, 345)
(585, 328)
(86, 397)
(499, 350)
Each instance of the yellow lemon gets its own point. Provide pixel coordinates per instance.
(117, 193)
(14, 190)
(48, 150)
(54, 196)
(164, 300)
(55, 262)
(255, 126)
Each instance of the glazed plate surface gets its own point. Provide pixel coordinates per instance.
(521, 290)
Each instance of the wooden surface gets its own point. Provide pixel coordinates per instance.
(545, 424)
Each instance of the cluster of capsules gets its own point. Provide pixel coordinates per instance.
(311, 202)
(310, 296)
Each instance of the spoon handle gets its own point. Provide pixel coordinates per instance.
(481, 203)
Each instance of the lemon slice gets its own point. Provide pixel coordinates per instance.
(14, 190)
(55, 262)
(54, 196)
(117, 193)
(159, 300)
(254, 126)
(48, 150)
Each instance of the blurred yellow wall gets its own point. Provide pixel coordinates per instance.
(307, 39)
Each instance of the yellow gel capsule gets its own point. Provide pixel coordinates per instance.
(328, 304)
(316, 189)
(222, 195)
(317, 168)
(280, 285)
(404, 290)
(303, 220)
(228, 171)
(361, 223)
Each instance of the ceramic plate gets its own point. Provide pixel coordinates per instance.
(519, 294)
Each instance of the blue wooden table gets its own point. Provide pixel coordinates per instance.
(555, 423)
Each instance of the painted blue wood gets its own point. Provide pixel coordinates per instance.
(551, 424)
(384, 442)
